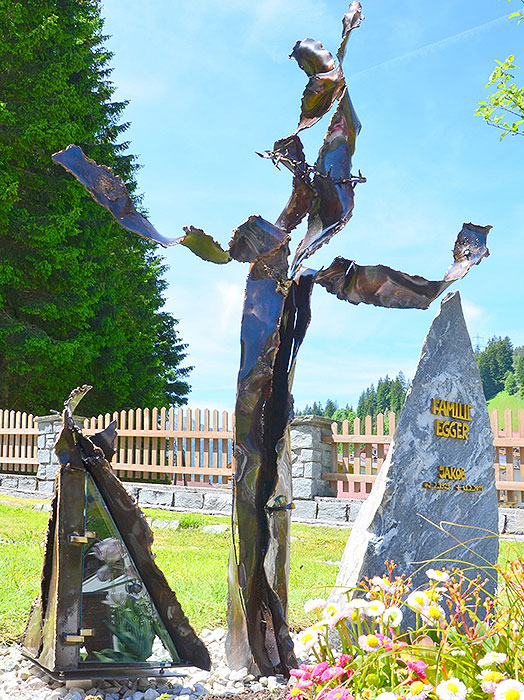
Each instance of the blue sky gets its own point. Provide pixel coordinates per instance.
(210, 83)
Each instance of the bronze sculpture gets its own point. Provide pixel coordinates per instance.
(275, 318)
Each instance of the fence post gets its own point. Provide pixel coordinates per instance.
(49, 428)
(311, 455)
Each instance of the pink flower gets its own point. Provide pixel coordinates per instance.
(344, 660)
(385, 642)
(418, 667)
(304, 683)
(318, 670)
(302, 672)
(339, 694)
(332, 672)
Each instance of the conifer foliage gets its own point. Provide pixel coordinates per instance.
(80, 298)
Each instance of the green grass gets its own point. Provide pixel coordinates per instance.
(501, 402)
(194, 562)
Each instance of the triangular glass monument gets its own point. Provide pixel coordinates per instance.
(105, 609)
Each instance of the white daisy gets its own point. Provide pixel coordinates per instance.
(375, 608)
(392, 616)
(417, 600)
(492, 657)
(452, 689)
(314, 604)
(509, 690)
(437, 575)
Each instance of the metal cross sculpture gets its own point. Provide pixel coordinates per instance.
(275, 318)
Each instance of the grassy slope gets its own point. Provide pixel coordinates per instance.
(501, 402)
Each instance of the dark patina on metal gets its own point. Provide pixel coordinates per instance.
(105, 609)
(275, 318)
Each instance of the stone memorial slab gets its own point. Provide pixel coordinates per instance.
(434, 501)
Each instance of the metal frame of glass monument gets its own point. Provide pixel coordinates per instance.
(105, 609)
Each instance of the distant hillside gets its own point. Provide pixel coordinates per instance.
(502, 401)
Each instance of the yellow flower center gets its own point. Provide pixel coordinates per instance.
(330, 610)
(494, 676)
(512, 694)
(416, 687)
(434, 613)
(294, 692)
(452, 687)
(419, 599)
(372, 641)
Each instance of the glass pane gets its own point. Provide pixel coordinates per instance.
(115, 603)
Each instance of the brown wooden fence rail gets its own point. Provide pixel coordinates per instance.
(178, 446)
(195, 447)
(18, 442)
(358, 455)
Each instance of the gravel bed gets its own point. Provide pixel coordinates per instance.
(21, 679)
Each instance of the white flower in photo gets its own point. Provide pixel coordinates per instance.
(368, 642)
(314, 604)
(417, 600)
(510, 689)
(492, 657)
(418, 691)
(357, 603)
(437, 575)
(392, 616)
(489, 680)
(452, 689)
(387, 696)
(374, 608)
(432, 614)
(378, 582)
(330, 610)
(308, 638)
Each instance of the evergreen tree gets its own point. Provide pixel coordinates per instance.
(397, 394)
(80, 298)
(383, 394)
(510, 385)
(330, 408)
(519, 373)
(494, 363)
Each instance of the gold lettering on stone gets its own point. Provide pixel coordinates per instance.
(452, 473)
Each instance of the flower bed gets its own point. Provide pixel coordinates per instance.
(457, 645)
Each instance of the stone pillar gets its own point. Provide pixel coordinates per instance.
(49, 428)
(311, 455)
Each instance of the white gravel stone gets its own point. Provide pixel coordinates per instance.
(21, 680)
(73, 695)
(151, 694)
(272, 683)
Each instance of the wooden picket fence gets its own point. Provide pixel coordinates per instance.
(166, 445)
(358, 456)
(194, 447)
(18, 442)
